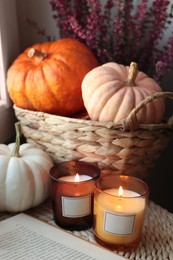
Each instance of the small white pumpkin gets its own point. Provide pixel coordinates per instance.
(24, 175)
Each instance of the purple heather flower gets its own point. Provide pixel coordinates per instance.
(119, 30)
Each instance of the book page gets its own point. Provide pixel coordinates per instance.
(25, 238)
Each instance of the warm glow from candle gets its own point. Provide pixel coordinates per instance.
(76, 178)
(120, 191)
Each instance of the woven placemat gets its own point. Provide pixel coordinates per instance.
(157, 240)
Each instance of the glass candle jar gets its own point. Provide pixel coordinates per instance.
(119, 209)
(72, 187)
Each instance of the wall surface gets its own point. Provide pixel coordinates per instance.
(161, 177)
(39, 11)
(9, 44)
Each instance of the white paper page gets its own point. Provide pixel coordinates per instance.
(26, 238)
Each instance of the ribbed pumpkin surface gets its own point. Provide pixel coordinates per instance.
(110, 93)
(50, 78)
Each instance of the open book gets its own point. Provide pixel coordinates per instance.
(25, 238)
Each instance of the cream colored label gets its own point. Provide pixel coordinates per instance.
(75, 207)
(119, 224)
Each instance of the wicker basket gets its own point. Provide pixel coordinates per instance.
(125, 148)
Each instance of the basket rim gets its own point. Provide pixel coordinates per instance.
(109, 125)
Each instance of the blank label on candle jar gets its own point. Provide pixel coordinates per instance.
(73, 207)
(119, 224)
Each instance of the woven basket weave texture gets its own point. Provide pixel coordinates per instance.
(113, 148)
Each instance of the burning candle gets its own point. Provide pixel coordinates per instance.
(75, 178)
(119, 209)
(72, 194)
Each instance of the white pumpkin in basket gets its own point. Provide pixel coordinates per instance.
(112, 90)
(24, 175)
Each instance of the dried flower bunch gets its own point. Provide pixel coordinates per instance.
(120, 30)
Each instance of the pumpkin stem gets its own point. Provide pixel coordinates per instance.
(38, 55)
(133, 71)
(16, 148)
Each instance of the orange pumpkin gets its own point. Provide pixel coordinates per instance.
(48, 76)
(112, 90)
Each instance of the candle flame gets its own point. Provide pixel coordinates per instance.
(120, 191)
(76, 179)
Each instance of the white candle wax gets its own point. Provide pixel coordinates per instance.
(71, 178)
(126, 193)
(119, 219)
